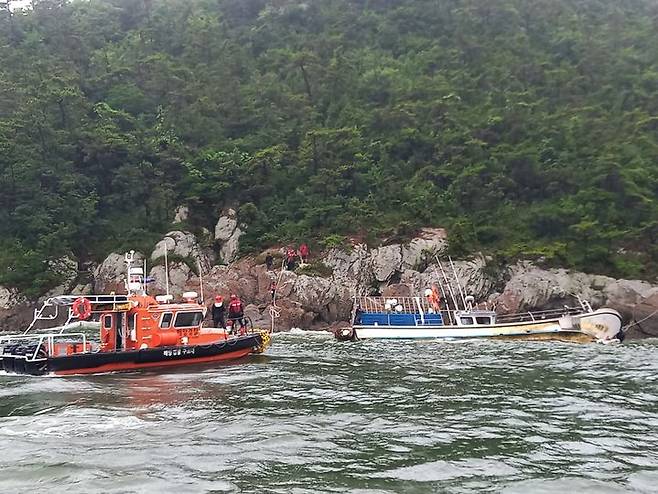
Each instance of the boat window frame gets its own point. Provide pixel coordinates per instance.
(108, 317)
(463, 319)
(184, 312)
(170, 322)
(483, 320)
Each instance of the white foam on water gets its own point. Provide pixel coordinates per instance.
(304, 332)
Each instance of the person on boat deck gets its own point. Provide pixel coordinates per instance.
(269, 261)
(303, 252)
(236, 313)
(218, 311)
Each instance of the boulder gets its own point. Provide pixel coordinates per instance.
(10, 298)
(351, 268)
(183, 245)
(253, 312)
(386, 261)
(182, 214)
(397, 290)
(644, 319)
(15, 312)
(180, 276)
(110, 275)
(292, 315)
(421, 249)
(227, 234)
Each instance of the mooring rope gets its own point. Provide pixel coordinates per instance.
(637, 323)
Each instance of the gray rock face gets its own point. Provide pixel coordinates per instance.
(180, 275)
(9, 298)
(183, 244)
(110, 275)
(430, 241)
(353, 268)
(227, 234)
(182, 214)
(386, 261)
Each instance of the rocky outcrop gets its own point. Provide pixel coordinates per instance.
(15, 311)
(531, 287)
(9, 298)
(395, 270)
(227, 235)
(110, 275)
(182, 214)
(183, 245)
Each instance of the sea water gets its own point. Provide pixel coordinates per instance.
(315, 415)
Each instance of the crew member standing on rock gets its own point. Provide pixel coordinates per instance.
(303, 252)
(236, 313)
(291, 259)
(218, 311)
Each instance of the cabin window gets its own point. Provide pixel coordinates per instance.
(467, 321)
(107, 322)
(483, 320)
(188, 319)
(165, 322)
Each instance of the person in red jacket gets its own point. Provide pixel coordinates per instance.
(291, 259)
(303, 252)
(236, 313)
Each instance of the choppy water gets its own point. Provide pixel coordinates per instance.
(314, 415)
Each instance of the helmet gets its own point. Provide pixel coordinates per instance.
(233, 296)
(428, 292)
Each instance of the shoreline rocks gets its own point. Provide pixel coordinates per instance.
(315, 302)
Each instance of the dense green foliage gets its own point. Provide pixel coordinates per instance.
(528, 127)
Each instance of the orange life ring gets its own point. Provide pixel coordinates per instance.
(81, 308)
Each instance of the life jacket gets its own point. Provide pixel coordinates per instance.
(303, 249)
(235, 307)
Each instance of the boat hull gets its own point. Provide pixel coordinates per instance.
(600, 325)
(101, 362)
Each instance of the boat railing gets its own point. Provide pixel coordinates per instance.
(49, 310)
(538, 315)
(402, 305)
(46, 341)
(420, 305)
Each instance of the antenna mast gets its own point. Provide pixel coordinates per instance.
(459, 285)
(198, 263)
(166, 266)
(445, 278)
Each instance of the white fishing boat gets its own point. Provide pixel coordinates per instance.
(444, 311)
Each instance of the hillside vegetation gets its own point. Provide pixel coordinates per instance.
(527, 127)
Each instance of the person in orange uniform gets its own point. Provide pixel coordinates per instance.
(236, 313)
